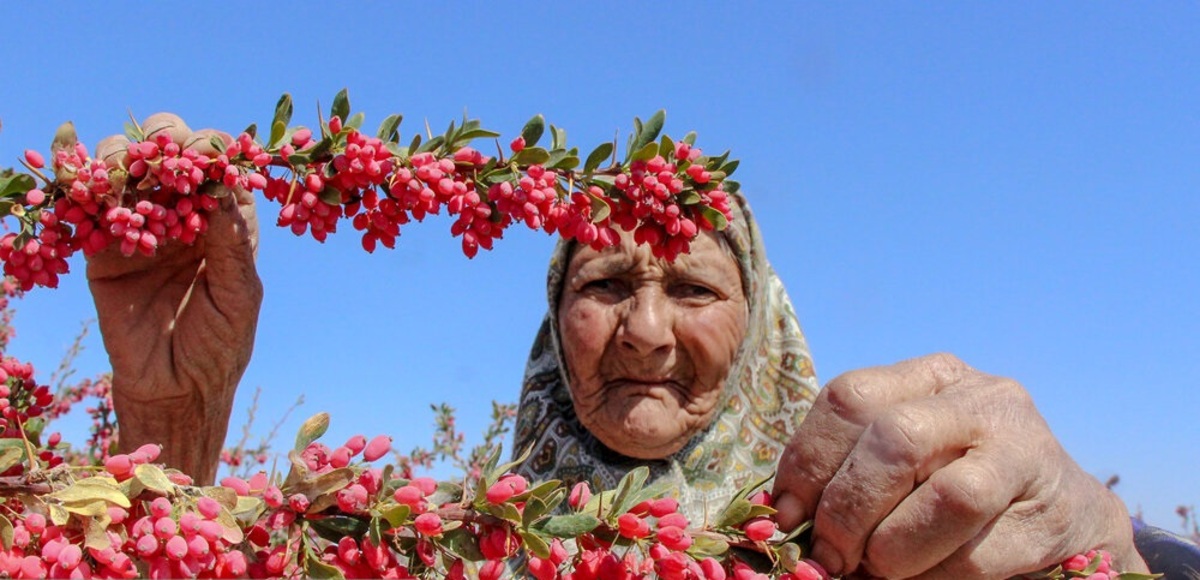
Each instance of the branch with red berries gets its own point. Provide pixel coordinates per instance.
(161, 185)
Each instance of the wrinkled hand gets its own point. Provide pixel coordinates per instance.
(932, 469)
(179, 327)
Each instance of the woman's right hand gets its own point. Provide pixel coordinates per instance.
(179, 326)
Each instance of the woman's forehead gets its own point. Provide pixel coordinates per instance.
(708, 252)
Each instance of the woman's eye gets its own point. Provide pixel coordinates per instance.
(606, 285)
(693, 291)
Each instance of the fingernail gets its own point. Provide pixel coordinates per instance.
(790, 511)
(828, 557)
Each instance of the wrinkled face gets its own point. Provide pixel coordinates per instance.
(648, 344)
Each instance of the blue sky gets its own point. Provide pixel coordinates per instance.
(1015, 183)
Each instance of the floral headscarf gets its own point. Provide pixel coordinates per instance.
(770, 387)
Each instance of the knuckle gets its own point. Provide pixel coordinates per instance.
(854, 393)
(899, 436)
(960, 494)
(945, 367)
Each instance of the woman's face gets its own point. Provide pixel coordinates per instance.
(648, 344)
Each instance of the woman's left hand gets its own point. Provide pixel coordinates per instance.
(932, 469)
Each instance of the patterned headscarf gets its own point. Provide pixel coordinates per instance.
(770, 387)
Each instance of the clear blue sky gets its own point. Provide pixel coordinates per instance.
(1015, 183)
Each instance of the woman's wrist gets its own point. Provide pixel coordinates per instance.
(191, 427)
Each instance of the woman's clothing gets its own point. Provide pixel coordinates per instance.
(770, 388)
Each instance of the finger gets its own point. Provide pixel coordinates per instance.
(1010, 545)
(895, 453)
(114, 151)
(169, 123)
(202, 141)
(946, 512)
(840, 414)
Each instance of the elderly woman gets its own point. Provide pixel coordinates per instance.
(697, 369)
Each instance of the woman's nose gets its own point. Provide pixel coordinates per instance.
(647, 325)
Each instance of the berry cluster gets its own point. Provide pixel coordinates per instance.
(160, 184)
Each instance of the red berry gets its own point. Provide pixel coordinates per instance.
(378, 447)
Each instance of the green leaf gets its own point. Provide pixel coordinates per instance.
(646, 152)
(311, 430)
(597, 156)
(134, 132)
(341, 105)
(730, 167)
(600, 209)
(152, 477)
(251, 130)
(534, 543)
(331, 196)
(789, 555)
(17, 184)
(299, 159)
(321, 148)
(649, 131)
(559, 137)
(10, 456)
(531, 156)
(730, 186)
(734, 514)
(690, 138)
(6, 532)
(714, 217)
(800, 529)
(532, 131)
(283, 116)
(315, 568)
(217, 143)
(389, 129)
(688, 197)
(414, 146)
(627, 488)
(336, 527)
(568, 162)
(666, 148)
(278, 128)
(468, 135)
(355, 121)
(92, 489)
(463, 544)
(707, 546)
(283, 110)
(569, 526)
(396, 515)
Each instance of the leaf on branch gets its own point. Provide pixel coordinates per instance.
(311, 430)
(646, 152)
(341, 105)
(283, 110)
(535, 544)
(315, 568)
(355, 121)
(531, 156)
(6, 532)
(389, 129)
(16, 185)
(568, 526)
(92, 489)
(597, 156)
(714, 217)
(649, 131)
(734, 514)
(533, 129)
(10, 456)
(707, 546)
(152, 477)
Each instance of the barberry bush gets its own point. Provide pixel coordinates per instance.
(341, 511)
